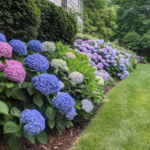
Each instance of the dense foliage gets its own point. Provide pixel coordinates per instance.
(99, 19)
(132, 41)
(56, 24)
(132, 16)
(104, 56)
(44, 88)
(19, 19)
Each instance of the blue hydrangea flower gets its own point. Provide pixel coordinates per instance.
(2, 38)
(125, 72)
(86, 105)
(46, 83)
(61, 85)
(18, 46)
(35, 45)
(108, 43)
(37, 62)
(122, 65)
(115, 65)
(118, 74)
(64, 102)
(33, 120)
(70, 115)
(122, 77)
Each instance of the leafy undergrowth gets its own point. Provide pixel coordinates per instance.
(123, 122)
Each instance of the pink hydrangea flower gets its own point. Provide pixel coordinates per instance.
(70, 55)
(5, 50)
(14, 71)
(1, 67)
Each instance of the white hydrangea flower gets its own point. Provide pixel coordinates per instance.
(86, 105)
(101, 80)
(59, 64)
(48, 47)
(76, 77)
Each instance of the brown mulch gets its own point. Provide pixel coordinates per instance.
(56, 141)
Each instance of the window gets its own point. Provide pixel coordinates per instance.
(80, 6)
(64, 4)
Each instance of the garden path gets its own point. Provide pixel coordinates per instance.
(123, 122)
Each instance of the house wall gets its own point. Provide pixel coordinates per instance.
(56, 2)
(72, 4)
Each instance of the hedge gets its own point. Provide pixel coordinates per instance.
(19, 19)
(56, 24)
(132, 41)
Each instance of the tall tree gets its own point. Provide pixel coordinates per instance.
(133, 16)
(99, 19)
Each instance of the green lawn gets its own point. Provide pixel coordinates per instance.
(122, 123)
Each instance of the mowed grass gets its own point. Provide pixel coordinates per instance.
(123, 122)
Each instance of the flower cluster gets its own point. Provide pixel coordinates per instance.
(1, 67)
(59, 64)
(64, 102)
(103, 58)
(102, 73)
(70, 115)
(2, 37)
(37, 62)
(48, 47)
(33, 120)
(70, 55)
(18, 46)
(61, 85)
(46, 83)
(76, 77)
(14, 71)
(5, 50)
(35, 45)
(86, 105)
(101, 81)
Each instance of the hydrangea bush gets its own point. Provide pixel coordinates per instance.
(105, 57)
(30, 89)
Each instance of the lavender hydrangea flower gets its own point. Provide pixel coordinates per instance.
(64, 102)
(33, 120)
(102, 73)
(70, 55)
(76, 77)
(87, 105)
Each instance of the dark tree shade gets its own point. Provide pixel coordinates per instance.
(132, 41)
(19, 19)
(56, 24)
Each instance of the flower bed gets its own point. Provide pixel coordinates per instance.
(49, 85)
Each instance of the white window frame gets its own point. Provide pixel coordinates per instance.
(80, 5)
(64, 4)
